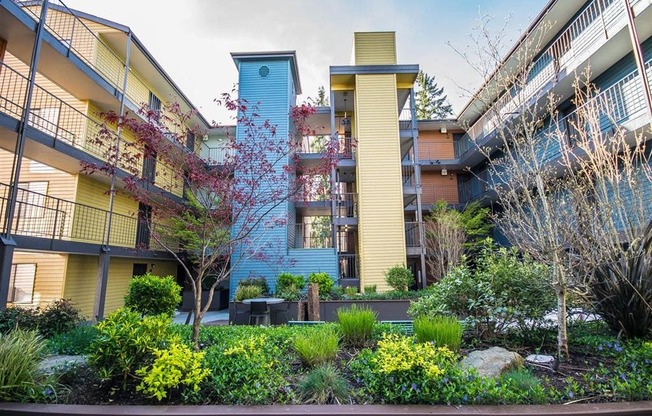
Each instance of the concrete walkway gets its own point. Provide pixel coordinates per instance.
(211, 317)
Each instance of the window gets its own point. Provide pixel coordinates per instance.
(21, 283)
(154, 102)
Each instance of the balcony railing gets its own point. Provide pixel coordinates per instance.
(313, 235)
(56, 118)
(319, 144)
(405, 119)
(348, 266)
(346, 205)
(44, 216)
(436, 151)
(433, 193)
(215, 155)
(413, 233)
(72, 32)
(585, 34)
(408, 176)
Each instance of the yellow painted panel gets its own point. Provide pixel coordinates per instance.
(168, 179)
(81, 277)
(375, 48)
(380, 201)
(48, 282)
(93, 194)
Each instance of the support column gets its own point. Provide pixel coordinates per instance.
(3, 48)
(417, 173)
(638, 55)
(7, 242)
(105, 251)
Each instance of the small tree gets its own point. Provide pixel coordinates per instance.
(431, 102)
(226, 207)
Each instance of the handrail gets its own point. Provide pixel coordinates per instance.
(413, 233)
(312, 235)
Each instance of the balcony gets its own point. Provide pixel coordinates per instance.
(318, 145)
(312, 235)
(46, 217)
(429, 151)
(215, 156)
(413, 238)
(433, 193)
(588, 32)
(346, 205)
(348, 266)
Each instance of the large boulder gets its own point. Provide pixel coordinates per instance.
(492, 362)
(59, 364)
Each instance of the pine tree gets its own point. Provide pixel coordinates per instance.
(321, 100)
(431, 101)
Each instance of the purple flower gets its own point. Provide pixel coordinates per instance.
(600, 348)
(465, 398)
(403, 388)
(570, 395)
(414, 387)
(618, 347)
(623, 377)
(48, 391)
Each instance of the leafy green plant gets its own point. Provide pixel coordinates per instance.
(356, 324)
(324, 385)
(77, 341)
(317, 346)
(444, 331)
(324, 281)
(399, 277)
(17, 317)
(621, 290)
(126, 341)
(351, 291)
(58, 317)
(289, 286)
(153, 295)
(173, 368)
(261, 282)
(504, 289)
(248, 366)
(19, 357)
(247, 292)
(521, 379)
(370, 288)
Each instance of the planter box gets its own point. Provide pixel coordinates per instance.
(220, 300)
(387, 310)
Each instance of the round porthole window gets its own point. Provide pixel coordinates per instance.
(263, 71)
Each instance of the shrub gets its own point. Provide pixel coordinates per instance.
(318, 346)
(289, 286)
(400, 278)
(503, 289)
(444, 331)
(324, 281)
(74, 342)
(356, 324)
(19, 357)
(174, 367)
(17, 317)
(621, 290)
(370, 288)
(323, 385)
(153, 295)
(248, 367)
(125, 342)
(261, 282)
(521, 379)
(58, 317)
(350, 291)
(247, 292)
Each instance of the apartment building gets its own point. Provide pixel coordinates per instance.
(391, 167)
(64, 235)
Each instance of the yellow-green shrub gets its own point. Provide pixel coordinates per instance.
(177, 366)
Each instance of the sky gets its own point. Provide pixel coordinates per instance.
(193, 39)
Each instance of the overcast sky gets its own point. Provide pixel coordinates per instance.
(192, 39)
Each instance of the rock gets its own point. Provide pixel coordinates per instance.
(61, 363)
(492, 362)
(540, 359)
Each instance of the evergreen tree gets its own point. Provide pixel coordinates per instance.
(321, 100)
(431, 101)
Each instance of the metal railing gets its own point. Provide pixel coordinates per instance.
(413, 233)
(405, 119)
(436, 151)
(348, 264)
(346, 204)
(319, 144)
(408, 176)
(58, 119)
(313, 235)
(43, 216)
(587, 32)
(433, 193)
(71, 31)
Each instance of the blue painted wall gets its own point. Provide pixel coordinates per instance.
(276, 96)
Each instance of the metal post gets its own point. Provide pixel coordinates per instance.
(638, 55)
(334, 196)
(105, 251)
(7, 242)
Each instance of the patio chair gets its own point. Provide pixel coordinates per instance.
(279, 313)
(259, 312)
(241, 316)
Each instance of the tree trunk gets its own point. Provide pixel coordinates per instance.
(562, 336)
(197, 318)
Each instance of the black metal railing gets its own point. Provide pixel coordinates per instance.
(413, 232)
(313, 235)
(348, 264)
(346, 205)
